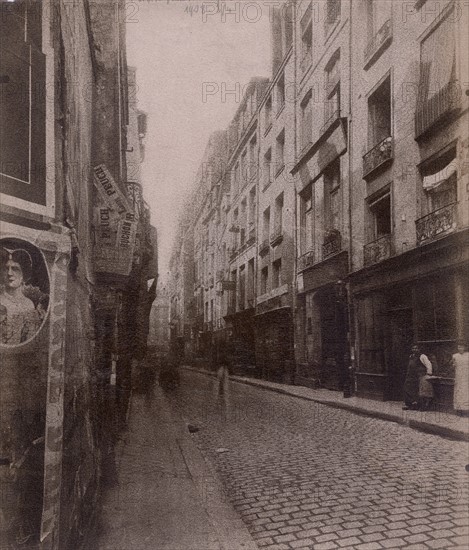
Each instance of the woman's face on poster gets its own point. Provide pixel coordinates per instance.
(12, 274)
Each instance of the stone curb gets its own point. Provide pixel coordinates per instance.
(419, 425)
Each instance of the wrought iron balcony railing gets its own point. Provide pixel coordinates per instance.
(306, 260)
(380, 154)
(436, 108)
(377, 250)
(379, 41)
(332, 244)
(436, 223)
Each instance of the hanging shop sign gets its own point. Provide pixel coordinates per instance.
(115, 226)
(110, 191)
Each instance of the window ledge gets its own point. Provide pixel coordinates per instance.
(280, 110)
(267, 130)
(279, 170)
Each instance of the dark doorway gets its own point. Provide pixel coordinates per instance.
(400, 342)
(333, 339)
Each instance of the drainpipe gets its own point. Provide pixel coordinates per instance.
(295, 201)
(351, 328)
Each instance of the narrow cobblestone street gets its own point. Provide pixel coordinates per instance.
(305, 475)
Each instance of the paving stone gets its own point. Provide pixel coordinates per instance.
(417, 538)
(439, 543)
(393, 543)
(349, 542)
(325, 546)
(369, 546)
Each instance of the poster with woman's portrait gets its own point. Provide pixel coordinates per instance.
(24, 306)
(24, 292)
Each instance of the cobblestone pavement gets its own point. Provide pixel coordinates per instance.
(305, 475)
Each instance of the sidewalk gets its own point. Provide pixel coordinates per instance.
(166, 496)
(437, 422)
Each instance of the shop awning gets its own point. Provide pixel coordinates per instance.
(432, 181)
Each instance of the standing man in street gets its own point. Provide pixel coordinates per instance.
(419, 366)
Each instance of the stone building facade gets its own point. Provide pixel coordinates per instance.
(65, 112)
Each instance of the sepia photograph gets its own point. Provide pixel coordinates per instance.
(234, 274)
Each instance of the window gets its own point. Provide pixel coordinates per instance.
(280, 93)
(437, 74)
(276, 273)
(378, 13)
(282, 31)
(250, 284)
(332, 13)
(252, 212)
(379, 114)
(266, 223)
(268, 113)
(235, 229)
(278, 215)
(306, 221)
(242, 287)
(244, 168)
(243, 222)
(232, 299)
(332, 195)
(280, 152)
(440, 181)
(381, 221)
(306, 120)
(235, 180)
(268, 167)
(264, 279)
(332, 76)
(22, 115)
(252, 169)
(306, 38)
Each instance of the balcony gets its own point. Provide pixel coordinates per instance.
(335, 115)
(436, 223)
(276, 238)
(377, 157)
(252, 236)
(332, 244)
(378, 43)
(264, 247)
(306, 260)
(437, 108)
(233, 254)
(377, 250)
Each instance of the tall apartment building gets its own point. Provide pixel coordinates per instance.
(409, 189)
(238, 239)
(322, 169)
(276, 211)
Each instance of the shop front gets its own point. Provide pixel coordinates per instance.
(323, 326)
(240, 339)
(274, 339)
(422, 297)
